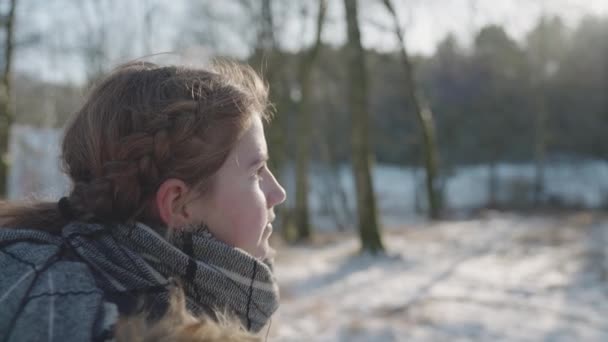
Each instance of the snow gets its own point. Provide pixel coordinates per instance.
(574, 182)
(499, 278)
(34, 160)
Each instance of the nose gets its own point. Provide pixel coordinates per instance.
(277, 194)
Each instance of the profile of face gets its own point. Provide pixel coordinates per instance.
(239, 209)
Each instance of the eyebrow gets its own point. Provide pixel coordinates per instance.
(260, 158)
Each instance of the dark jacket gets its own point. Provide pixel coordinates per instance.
(46, 294)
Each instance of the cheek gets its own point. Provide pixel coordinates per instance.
(245, 216)
(252, 216)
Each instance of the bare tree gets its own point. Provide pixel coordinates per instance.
(106, 32)
(6, 116)
(304, 129)
(149, 11)
(94, 15)
(265, 52)
(332, 191)
(369, 230)
(269, 60)
(425, 118)
(544, 44)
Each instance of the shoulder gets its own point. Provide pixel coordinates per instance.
(44, 295)
(171, 328)
(178, 324)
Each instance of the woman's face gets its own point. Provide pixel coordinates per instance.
(239, 209)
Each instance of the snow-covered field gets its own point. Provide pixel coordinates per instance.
(499, 277)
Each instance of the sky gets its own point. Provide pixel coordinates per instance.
(425, 22)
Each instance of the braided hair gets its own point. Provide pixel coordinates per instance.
(139, 126)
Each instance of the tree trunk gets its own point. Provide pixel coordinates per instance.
(540, 147)
(426, 121)
(267, 54)
(492, 185)
(366, 202)
(541, 119)
(333, 189)
(304, 131)
(418, 209)
(6, 116)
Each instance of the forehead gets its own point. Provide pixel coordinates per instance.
(251, 145)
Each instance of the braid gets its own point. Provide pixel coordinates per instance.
(140, 126)
(142, 159)
(156, 123)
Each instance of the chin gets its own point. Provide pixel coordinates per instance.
(270, 253)
(267, 251)
(260, 253)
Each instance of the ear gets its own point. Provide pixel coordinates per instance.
(171, 202)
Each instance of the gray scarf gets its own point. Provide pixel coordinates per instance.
(128, 261)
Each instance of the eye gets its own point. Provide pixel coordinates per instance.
(259, 172)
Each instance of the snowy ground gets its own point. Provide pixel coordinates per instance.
(501, 277)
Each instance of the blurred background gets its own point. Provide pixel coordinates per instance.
(446, 161)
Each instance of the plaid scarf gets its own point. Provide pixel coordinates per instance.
(49, 280)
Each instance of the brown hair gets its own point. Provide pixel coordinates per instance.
(141, 125)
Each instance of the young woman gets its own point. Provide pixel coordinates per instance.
(170, 183)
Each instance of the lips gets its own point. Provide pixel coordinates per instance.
(268, 229)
